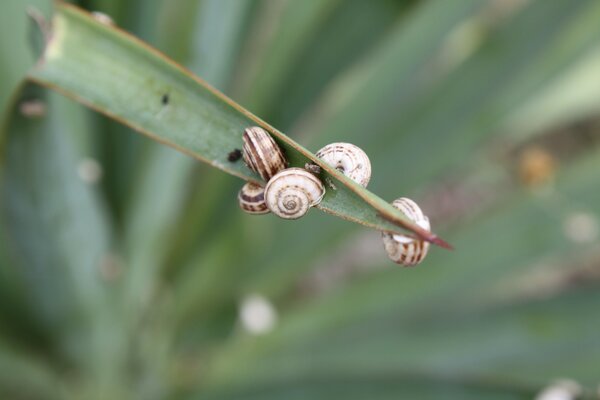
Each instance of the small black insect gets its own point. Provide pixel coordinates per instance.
(165, 99)
(234, 155)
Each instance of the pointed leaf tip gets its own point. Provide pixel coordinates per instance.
(441, 242)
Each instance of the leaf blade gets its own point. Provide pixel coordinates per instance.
(166, 102)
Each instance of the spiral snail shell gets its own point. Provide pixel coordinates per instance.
(261, 154)
(291, 193)
(349, 159)
(403, 249)
(251, 198)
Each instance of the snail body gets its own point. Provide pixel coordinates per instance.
(349, 159)
(292, 192)
(261, 154)
(403, 249)
(251, 198)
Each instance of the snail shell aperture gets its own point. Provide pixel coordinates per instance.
(403, 249)
(349, 159)
(261, 154)
(251, 198)
(291, 193)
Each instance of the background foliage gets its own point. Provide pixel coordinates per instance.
(123, 264)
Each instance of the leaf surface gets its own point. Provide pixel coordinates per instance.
(118, 75)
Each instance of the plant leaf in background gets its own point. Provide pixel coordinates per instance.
(60, 238)
(486, 112)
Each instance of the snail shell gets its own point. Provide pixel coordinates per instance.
(291, 193)
(251, 198)
(261, 154)
(403, 249)
(349, 159)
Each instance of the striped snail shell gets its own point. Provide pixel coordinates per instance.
(403, 249)
(292, 192)
(251, 198)
(261, 154)
(349, 159)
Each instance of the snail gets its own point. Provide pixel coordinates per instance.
(349, 159)
(103, 18)
(251, 198)
(261, 154)
(403, 249)
(291, 193)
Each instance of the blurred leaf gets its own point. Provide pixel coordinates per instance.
(216, 39)
(389, 69)
(60, 236)
(429, 114)
(376, 385)
(297, 25)
(157, 202)
(532, 342)
(16, 35)
(116, 148)
(309, 46)
(434, 304)
(24, 377)
(570, 97)
(447, 112)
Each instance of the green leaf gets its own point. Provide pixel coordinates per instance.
(297, 25)
(387, 70)
(16, 37)
(448, 113)
(414, 103)
(298, 63)
(164, 180)
(380, 385)
(61, 237)
(162, 100)
(530, 341)
(23, 376)
(528, 235)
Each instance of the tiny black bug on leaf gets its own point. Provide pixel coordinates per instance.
(234, 155)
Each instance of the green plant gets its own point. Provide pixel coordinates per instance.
(123, 263)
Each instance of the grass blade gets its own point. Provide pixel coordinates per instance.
(121, 77)
(61, 236)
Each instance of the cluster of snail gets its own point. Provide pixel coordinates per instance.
(290, 192)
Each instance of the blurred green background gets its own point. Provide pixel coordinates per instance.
(127, 270)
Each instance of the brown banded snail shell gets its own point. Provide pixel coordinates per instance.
(261, 154)
(292, 192)
(403, 249)
(349, 159)
(251, 198)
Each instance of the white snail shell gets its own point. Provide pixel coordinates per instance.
(292, 192)
(349, 159)
(251, 198)
(261, 154)
(403, 249)
(103, 18)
